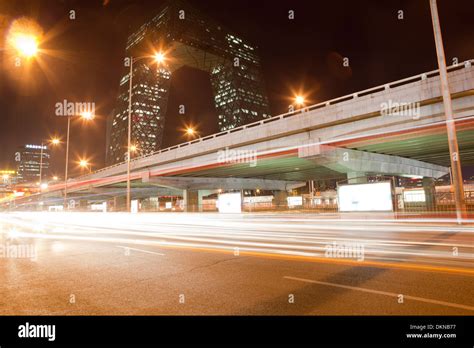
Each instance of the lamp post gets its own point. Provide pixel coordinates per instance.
(159, 58)
(54, 141)
(86, 116)
(300, 102)
(450, 123)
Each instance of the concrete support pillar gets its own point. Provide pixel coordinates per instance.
(430, 193)
(83, 205)
(120, 203)
(192, 201)
(201, 195)
(281, 201)
(356, 178)
(110, 204)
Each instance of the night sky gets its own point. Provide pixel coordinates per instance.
(82, 59)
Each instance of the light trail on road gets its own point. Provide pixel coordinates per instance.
(438, 245)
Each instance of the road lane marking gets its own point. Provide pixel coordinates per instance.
(386, 293)
(365, 263)
(143, 251)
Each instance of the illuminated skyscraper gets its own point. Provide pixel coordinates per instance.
(188, 38)
(29, 162)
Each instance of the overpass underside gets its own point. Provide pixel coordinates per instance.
(280, 171)
(433, 141)
(315, 161)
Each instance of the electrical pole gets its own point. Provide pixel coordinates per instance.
(450, 123)
(67, 162)
(129, 135)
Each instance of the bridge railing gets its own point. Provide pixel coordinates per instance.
(394, 84)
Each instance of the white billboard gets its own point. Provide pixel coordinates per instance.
(294, 201)
(99, 207)
(134, 206)
(229, 203)
(414, 196)
(365, 197)
(258, 199)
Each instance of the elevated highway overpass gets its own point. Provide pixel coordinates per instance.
(394, 129)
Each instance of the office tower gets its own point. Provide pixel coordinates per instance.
(186, 37)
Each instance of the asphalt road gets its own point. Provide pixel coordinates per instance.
(252, 264)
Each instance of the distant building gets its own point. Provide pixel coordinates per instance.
(28, 158)
(8, 177)
(188, 38)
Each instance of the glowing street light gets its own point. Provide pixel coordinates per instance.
(87, 115)
(191, 132)
(24, 36)
(85, 164)
(26, 45)
(300, 100)
(160, 57)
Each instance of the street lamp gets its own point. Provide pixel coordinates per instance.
(86, 116)
(299, 100)
(25, 44)
(190, 131)
(23, 37)
(85, 164)
(54, 141)
(159, 58)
